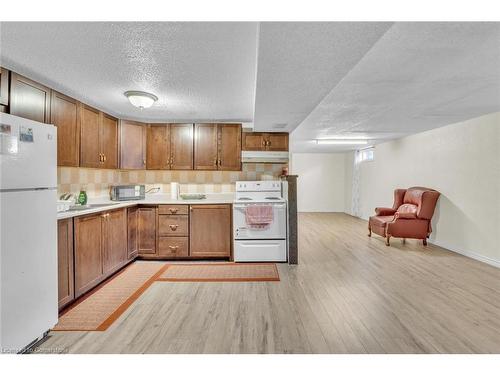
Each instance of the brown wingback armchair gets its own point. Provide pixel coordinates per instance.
(409, 217)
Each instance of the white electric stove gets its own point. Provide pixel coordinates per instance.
(261, 244)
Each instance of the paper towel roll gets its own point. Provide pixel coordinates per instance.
(174, 190)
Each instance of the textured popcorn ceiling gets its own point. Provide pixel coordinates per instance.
(417, 77)
(375, 79)
(199, 71)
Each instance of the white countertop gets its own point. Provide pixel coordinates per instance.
(217, 198)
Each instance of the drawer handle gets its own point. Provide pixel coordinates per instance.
(173, 226)
(173, 247)
(173, 210)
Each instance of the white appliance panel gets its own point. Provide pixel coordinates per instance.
(260, 250)
(26, 161)
(275, 230)
(29, 300)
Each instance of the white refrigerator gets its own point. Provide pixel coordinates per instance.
(28, 231)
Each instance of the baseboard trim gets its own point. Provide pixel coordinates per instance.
(470, 254)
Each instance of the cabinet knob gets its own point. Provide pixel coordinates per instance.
(173, 210)
(173, 227)
(173, 247)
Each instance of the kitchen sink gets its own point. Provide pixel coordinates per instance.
(90, 206)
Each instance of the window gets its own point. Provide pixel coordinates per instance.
(366, 155)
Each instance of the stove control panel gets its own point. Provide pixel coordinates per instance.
(258, 186)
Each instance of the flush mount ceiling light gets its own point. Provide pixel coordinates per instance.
(140, 99)
(337, 141)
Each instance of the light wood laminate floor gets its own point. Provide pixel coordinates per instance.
(349, 294)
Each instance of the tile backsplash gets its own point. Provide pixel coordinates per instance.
(97, 181)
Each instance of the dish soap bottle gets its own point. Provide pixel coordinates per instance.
(82, 197)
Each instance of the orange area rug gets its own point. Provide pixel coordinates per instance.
(221, 272)
(101, 308)
(98, 310)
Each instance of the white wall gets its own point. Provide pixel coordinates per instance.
(462, 161)
(321, 181)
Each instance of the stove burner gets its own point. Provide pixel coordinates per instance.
(273, 198)
(244, 199)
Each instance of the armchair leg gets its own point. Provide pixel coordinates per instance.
(369, 231)
(387, 241)
(424, 241)
(403, 240)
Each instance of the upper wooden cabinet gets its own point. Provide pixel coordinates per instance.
(158, 147)
(229, 147)
(181, 146)
(4, 88)
(210, 230)
(98, 139)
(29, 99)
(109, 141)
(265, 141)
(90, 137)
(132, 145)
(65, 114)
(205, 147)
(217, 147)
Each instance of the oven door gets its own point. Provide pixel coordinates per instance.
(275, 230)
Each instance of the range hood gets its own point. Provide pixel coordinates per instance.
(277, 157)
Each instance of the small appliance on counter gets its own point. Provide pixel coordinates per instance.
(127, 192)
(175, 190)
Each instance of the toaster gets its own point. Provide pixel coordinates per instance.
(127, 192)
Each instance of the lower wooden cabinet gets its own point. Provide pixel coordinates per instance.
(146, 230)
(100, 247)
(66, 287)
(114, 241)
(210, 230)
(173, 247)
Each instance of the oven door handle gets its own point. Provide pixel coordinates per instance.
(274, 205)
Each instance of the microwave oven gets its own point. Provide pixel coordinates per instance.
(127, 192)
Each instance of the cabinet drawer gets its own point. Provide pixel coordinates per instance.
(173, 209)
(173, 246)
(173, 225)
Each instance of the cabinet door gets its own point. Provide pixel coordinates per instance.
(253, 142)
(210, 231)
(4, 87)
(132, 232)
(65, 262)
(205, 147)
(229, 136)
(88, 253)
(115, 241)
(65, 114)
(277, 142)
(181, 146)
(158, 147)
(147, 230)
(29, 99)
(132, 145)
(109, 141)
(90, 149)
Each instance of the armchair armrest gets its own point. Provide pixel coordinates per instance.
(384, 211)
